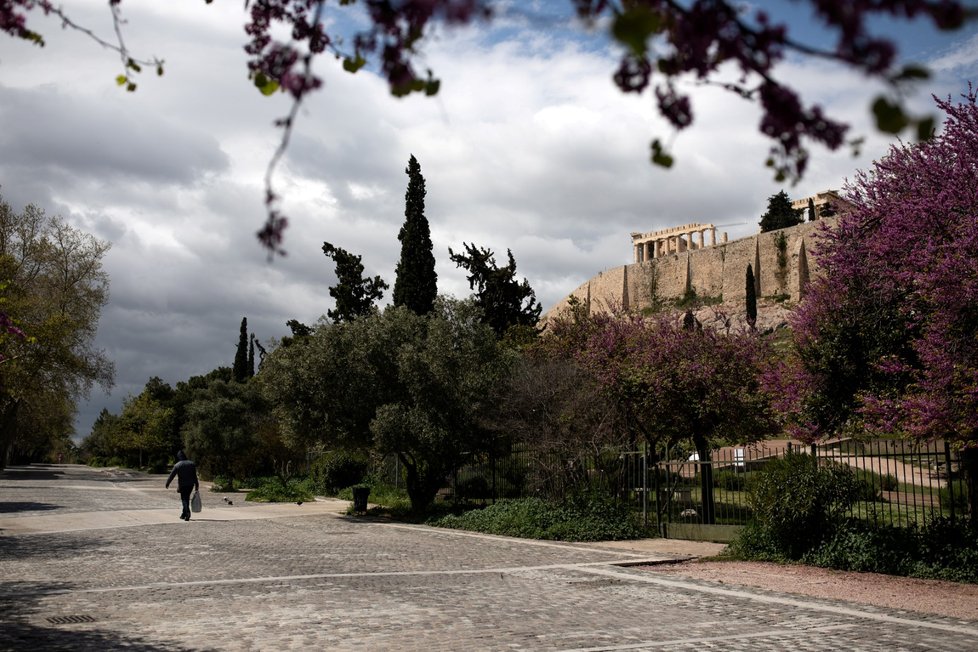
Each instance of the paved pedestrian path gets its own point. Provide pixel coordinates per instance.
(282, 577)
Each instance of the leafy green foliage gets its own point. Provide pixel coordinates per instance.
(797, 503)
(240, 369)
(415, 386)
(779, 214)
(581, 518)
(416, 284)
(274, 490)
(504, 301)
(750, 287)
(221, 424)
(942, 549)
(387, 499)
(354, 295)
(335, 470)
(223, 484)
(52, 290)
(732, 480)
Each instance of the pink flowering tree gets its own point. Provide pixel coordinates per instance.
(887, 339)
(661, 42)
(674, 383)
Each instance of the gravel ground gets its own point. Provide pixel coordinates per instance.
(948, 599)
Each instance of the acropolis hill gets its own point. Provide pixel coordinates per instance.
(672, 262)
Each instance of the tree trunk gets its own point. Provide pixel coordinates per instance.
(8, 424)
(706, 481)
(969, 464)
(422, 484)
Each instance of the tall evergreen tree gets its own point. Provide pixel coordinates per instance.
(251, 356)
(504, 301)
(780, 214)
(353, 294)
(812, 215)
(240, 370)
(416, 284)
(751, 296)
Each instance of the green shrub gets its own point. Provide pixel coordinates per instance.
(869, 486)
(337, 469)
(955, 496)
(941, 549)
(474, 488)
(387, 499)
(859, 546)
(730, 480)
(272, 490)
(797, 504)
(948, 550)
(581, 518)
(222, 484)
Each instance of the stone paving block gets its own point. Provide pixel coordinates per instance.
(323, 581)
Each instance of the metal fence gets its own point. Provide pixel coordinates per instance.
(902, 483)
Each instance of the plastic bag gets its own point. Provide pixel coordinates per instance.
(195, 505)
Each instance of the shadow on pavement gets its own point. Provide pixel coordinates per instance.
(28, 625)
(29, 473)
(41, 545)
(24, 636)
(11, 507)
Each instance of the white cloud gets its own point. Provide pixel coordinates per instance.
(529, 146)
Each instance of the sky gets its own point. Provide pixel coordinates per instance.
(528, 146)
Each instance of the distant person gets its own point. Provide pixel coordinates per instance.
(187, 483)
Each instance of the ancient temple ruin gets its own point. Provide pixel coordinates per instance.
(674, 240)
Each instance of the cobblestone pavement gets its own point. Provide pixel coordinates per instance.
(322, 581)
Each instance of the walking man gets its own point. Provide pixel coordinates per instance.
(187, 483)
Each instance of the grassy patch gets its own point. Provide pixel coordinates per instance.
(273, 490)
(590, 518)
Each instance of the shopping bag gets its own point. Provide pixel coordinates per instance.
(195, 505)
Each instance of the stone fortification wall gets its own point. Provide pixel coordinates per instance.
(781, 261)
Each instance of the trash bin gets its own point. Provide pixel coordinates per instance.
(360, 499)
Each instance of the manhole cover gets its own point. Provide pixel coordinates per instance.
(70, 620)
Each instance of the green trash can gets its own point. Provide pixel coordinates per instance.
(360, 495)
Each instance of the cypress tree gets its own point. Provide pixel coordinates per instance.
(416, 284)
(812, 216)
(751, 296)
(240, 370)
(251, 356)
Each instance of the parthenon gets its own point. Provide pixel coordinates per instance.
(655, 244)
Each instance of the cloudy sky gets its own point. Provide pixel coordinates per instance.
(528, 146)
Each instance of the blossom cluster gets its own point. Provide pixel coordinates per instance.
(889, 335)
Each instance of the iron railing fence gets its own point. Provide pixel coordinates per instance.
(903, 483)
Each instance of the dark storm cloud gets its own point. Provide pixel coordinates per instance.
(528, 146)
(47, 132)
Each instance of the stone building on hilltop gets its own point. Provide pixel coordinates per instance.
(673, 264)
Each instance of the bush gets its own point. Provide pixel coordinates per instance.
(474, 488)
(955, 496)
(948, 550)
(942, 549)
(797, 504)
(337, 469)
(273, 490)
(222, 484)
(858, 546)
(582, 518)
(730, 480)
(387, 499)
(872, 484)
